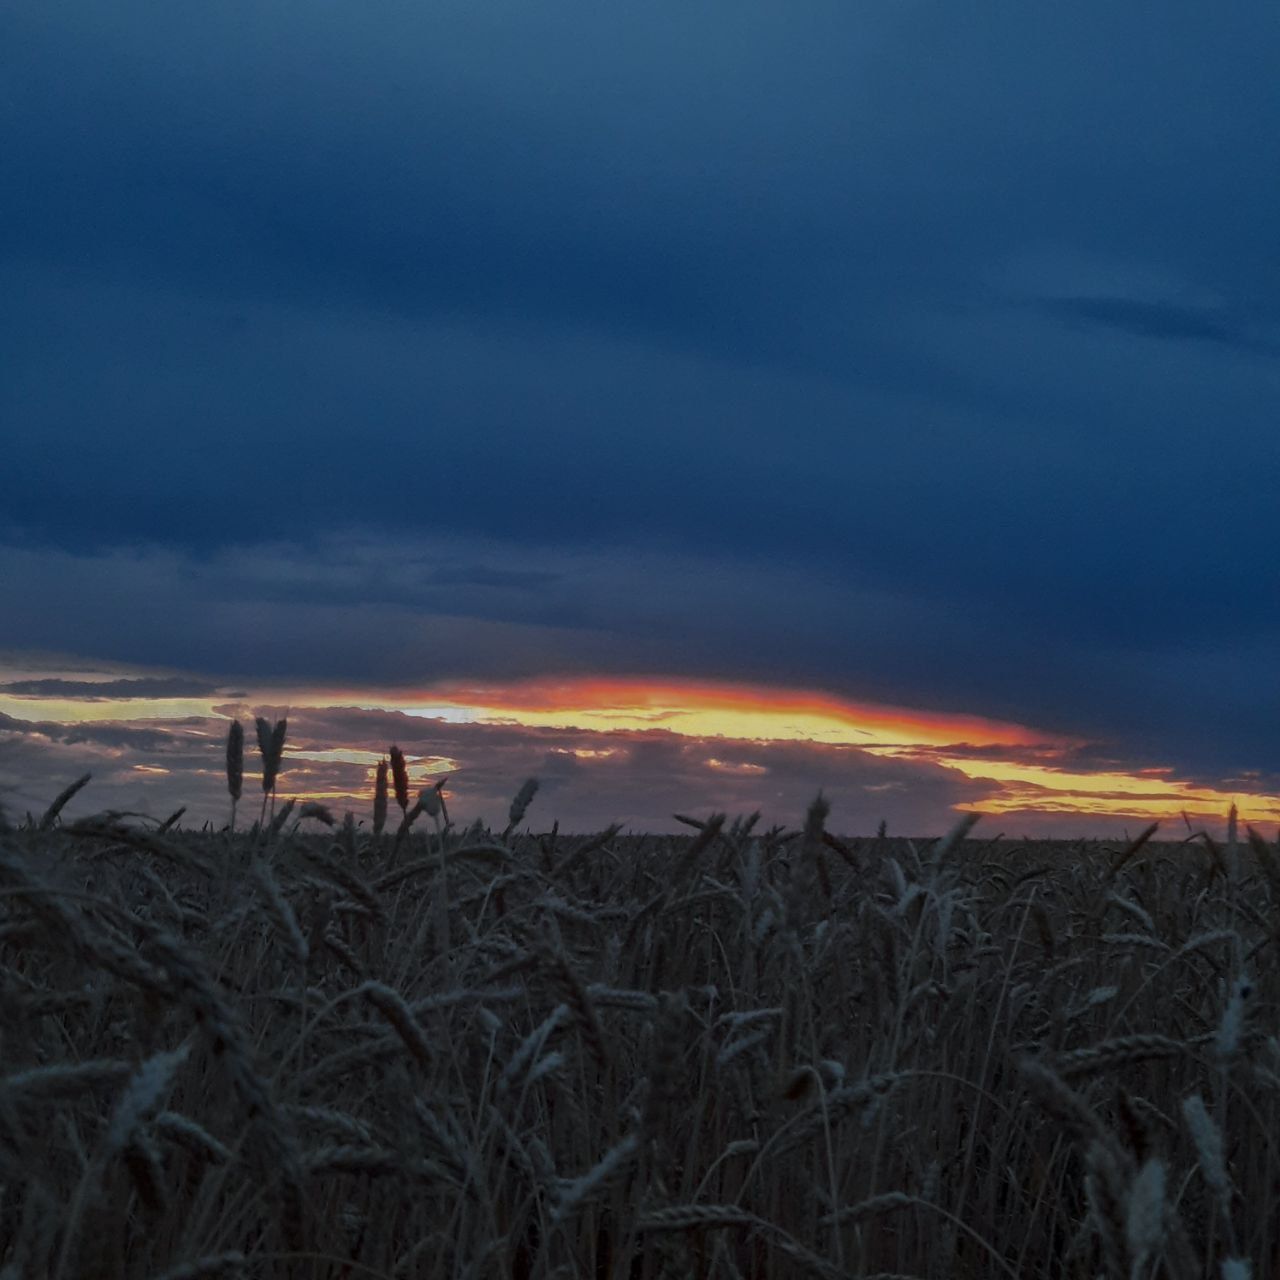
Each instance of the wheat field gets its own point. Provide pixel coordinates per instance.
(322, 1048)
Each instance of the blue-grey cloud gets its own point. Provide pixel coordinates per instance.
(1163, 320)
(90, 690)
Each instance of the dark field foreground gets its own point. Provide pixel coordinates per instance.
(742, 1053)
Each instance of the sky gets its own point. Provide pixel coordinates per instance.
(690, 405)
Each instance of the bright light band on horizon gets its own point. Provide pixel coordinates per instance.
(1037, 779)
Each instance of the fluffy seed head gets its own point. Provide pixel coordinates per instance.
(1231, 1028)
(380, 798)
(522, 800)
(1208, 1143)
(314, 809)
(400, 778)
(1144, 1217)
(235, 759)
(146, 1090)
(271, 747)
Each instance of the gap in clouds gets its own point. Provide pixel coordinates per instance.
(588, 778)
(605, 750)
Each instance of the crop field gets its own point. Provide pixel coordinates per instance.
(317, 1048)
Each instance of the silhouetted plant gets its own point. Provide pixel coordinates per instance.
(235, 766)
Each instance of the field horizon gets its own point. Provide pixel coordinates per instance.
(298, 1048)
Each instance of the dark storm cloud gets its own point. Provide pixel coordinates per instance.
(143, 687)
(943, 338)
(484, 576)
(107, 734)
(1162, 320)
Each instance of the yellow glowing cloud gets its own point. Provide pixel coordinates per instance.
(353, 755)
(706, 710)
(1142, 794)
(88, 711)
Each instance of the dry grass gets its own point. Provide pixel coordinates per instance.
(291, 1051)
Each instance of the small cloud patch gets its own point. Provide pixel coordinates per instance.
(740, 768)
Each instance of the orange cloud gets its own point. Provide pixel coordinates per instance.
(708, 710)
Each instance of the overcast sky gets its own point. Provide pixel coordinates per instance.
(920, 353)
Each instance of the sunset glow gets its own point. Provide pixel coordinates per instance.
(737, 712)
(1005, 768)
(701, 710)
(707, 710)
(1045, 789)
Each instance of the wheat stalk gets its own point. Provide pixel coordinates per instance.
(235, 766)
